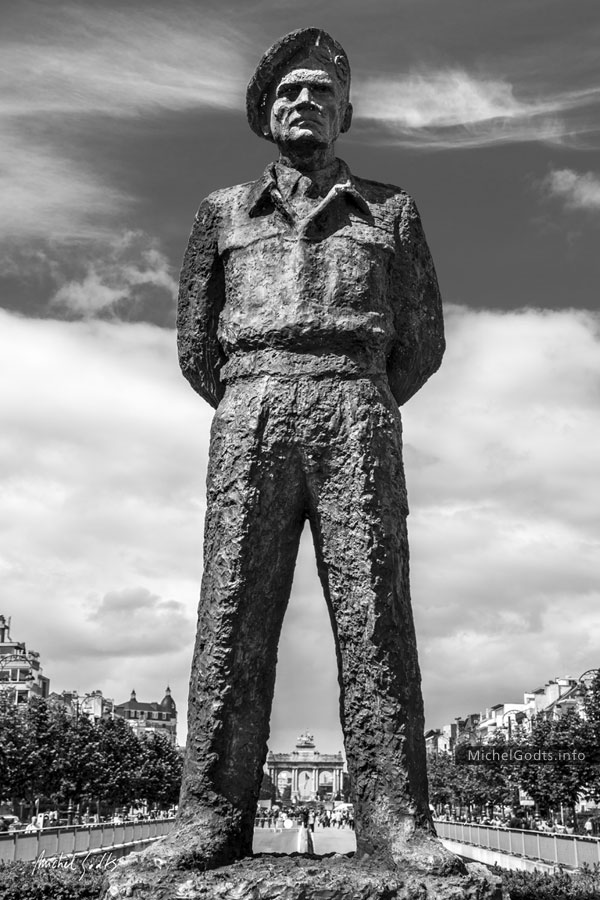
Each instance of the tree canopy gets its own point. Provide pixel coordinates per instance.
(49, 755)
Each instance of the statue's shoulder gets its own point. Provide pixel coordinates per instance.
(228, 197)
(380, 193)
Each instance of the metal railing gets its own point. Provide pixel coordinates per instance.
(78, 839)
(571, 850)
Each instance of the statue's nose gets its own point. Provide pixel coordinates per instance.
(305, 96)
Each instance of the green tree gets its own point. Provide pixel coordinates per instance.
(553, 780)
(10, 746)
(78, 759)
(46, 753)
(591, 715)
(117, 780)
(36, 774)
(160, 771)
(442, 776)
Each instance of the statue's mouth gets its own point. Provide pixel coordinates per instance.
(306, 118)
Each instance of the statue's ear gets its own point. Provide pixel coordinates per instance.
(347, 120)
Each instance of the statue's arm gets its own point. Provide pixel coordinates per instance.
(419, 345)
(201, 298)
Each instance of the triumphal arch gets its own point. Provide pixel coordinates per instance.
(305, 774)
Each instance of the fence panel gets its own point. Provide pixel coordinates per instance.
(504, 840)
(558, 849)
(27, 846)
(7, 847)
(48, 842)
(531, 847)
(82, 839)
(95, 837)
(547, 851)
(66, 841)
(588, 852)
(565, 851)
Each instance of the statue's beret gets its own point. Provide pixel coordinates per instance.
(300, 44)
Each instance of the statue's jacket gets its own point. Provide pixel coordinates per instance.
(349, 289)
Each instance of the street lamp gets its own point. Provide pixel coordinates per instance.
(520, 714)
(465, 734)
(588, 678)
(76, 705)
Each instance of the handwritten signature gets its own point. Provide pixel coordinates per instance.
(91, 862)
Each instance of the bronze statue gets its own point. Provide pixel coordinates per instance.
(309, 310)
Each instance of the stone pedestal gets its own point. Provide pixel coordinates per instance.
(295, 877)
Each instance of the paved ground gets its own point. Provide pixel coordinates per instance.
(334, 840)
(325, 840)
(268, 841)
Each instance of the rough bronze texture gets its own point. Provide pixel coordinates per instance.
(309, 310)
(270, 877)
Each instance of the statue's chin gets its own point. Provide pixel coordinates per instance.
(304, 143)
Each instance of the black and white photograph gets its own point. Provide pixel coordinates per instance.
(300, 355)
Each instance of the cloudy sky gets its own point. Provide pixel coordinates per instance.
(116, 119)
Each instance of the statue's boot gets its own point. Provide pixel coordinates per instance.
(401, 845)
(207, 842)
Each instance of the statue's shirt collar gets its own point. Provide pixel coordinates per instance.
(279, 183)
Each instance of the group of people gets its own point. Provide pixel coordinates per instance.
(310, 817)
(337, 818)
(11, 823)
(52, 820)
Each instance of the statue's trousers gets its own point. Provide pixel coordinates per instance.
(283, 450)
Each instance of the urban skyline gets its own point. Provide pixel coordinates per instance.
(557, 694)
(117, 120)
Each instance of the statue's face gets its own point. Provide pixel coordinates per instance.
(308, 107)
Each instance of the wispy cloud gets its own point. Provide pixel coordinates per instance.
(128, 270)
(447, 108)
(125, 61)
(46, 194)
(576, 190)
(77, 62)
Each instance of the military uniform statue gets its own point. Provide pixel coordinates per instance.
(309, 311)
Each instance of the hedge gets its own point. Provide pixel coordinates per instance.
(26, 881)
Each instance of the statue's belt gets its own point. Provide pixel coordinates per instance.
(286, 363)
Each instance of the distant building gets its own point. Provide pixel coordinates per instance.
(93, 705)
(557, 697)
(150, 718)
(305, 774)
(441, 740)
(20, 670)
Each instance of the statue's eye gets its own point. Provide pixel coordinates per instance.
(289, 91)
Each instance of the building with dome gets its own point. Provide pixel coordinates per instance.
(150, 718)
(305, 774)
